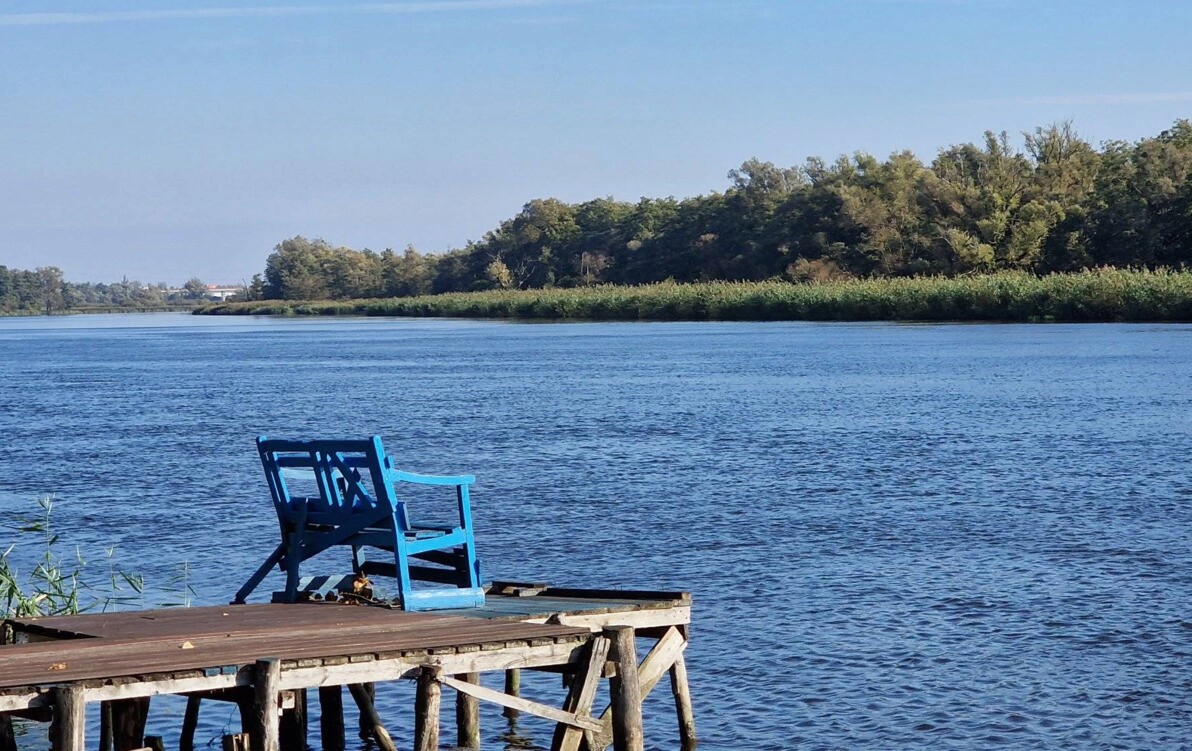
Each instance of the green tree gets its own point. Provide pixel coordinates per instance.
(51, 284)
(194, 289)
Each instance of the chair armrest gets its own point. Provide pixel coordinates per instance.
(455, 480)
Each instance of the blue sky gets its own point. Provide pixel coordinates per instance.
(161, 141)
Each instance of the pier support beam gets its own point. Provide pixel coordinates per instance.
(8, 739)
(128, 718)
(513, 688)
(331, 718)
(426, 710)
(266, 732)
(625, 691)
(682, 692)
(70, 719)
(292, 733)
(581, 695)
(467, 714)
(190, 723)
(370, 720)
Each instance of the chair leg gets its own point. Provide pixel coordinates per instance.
(260, 574)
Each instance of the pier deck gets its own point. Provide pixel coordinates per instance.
(263, 655)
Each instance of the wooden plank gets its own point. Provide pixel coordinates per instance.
(522, 705)
(506, 657)
(470, 662)
(28, 665)
(583, 693)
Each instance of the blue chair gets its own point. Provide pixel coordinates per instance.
(355, 502)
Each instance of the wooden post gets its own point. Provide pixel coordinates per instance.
(105, 726)
(625, 691)
(513, 688)
(8, 739)
(190, 723)
(369, 717)
(292, 732)
(155, 743)
(366, 690)
(426, 710)
(70, 718)
(236, 742)
(266, 731)
(467, 714)
(128, 723)
(331, 717)
(678, 676)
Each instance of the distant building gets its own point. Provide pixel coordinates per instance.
(223, 291)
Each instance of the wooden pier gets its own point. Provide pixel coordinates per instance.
(265, 658)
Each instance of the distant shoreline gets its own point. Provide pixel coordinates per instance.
(1109, 295)
(98, 310)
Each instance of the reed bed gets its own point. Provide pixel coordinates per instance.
(1090, 296)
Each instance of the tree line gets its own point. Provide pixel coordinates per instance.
(1051, 203)
(45, 290)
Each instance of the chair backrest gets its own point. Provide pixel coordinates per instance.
(351, 478)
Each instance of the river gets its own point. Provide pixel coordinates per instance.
(897, 536)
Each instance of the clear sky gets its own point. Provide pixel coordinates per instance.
(162, 141)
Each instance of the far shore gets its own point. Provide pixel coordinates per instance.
(1110, 295)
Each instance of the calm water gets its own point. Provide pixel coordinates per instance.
(961, 537)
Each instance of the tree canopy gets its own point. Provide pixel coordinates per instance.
(1052, 202)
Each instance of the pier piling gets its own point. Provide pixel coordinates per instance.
(467, 714)
(70, 719)
(625, 691)
(426, 709)
(266, 733)
(682, 692)
(331, 718)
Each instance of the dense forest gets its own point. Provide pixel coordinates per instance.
(1056, 203)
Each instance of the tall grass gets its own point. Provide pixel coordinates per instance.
(1101, 295)
(57, 583)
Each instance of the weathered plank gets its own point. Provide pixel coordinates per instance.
(582, 694)
(523, 705)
